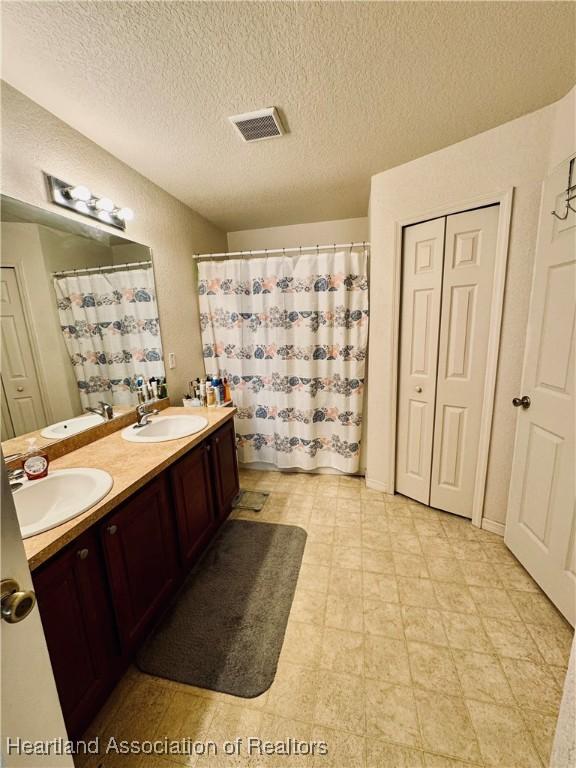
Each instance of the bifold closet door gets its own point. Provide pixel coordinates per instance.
(423, 250)
(469, 258)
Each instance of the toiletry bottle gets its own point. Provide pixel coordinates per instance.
(154, 385)
(216, 388)
(210, 397)
(227, 392)
(36, 462)
(203, 393)
(222, 390)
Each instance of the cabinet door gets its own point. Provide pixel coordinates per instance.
(79, 627)
(141, 557)
(225, 467)
(191, 489)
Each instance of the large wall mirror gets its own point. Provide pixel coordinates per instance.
(80, 326)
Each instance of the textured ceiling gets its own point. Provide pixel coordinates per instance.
(363, 86)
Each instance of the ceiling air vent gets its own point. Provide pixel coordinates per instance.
(262, 124)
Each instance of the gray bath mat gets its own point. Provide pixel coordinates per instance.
(224, 631)
(253, 500)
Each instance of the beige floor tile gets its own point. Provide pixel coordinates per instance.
(464, 549)
(458, 529)
(345, 581)
(382, 754)
(347, 557)
(511, 639)
(413, 566)
(345, 750)
(377, 561)
(504, 739)
(559, 674)
(348, 513)
(386, 659)
(274, 732)
(317, 553)
(423, 625)
(533, 685)
(401, 525)
(554, 643)
(139, 715)
(454, 597)
(380, 586)
(375, 539)
(230, 723)
(293, 692)
(429, 527)
(347, 537)
(436, 547)
(465, 631)
(187, 717)
(406, 542)
(302, 644)
(514, 576)
(498, 552)
(446, 726)
(482, 678)
(443, 568)
(342, 651)
(391, 713)
(344, 612)
(320, 533)
(352, 492)
(340, 703)
(480, 574)
(418, 592)
(439, 761)
(314, 578)
(308, 607)
(542, 726)
(432, 668)
(382, 618)
(535, 608)
(493, 602)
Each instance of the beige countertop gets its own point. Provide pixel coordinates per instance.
(131, 465)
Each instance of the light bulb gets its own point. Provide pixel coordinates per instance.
(81, 193)
(126, 214)
(81, 206)
(104, 204)
(104, 216)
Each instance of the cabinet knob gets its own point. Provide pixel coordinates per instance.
(112, 529)
(82, 554)
(208, 448)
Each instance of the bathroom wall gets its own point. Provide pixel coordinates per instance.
(517, 154)
(34, 140)
(293, 235)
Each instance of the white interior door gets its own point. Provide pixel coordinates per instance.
(469, 259)
(541, 521)
(423, 251)
(21, 386)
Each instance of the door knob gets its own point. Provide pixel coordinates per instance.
(112, 529)
(523, 401)
(16, 603)
(418, 389)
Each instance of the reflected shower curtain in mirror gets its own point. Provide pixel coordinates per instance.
(290, 334)
(110, 325)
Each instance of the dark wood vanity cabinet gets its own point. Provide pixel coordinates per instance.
(196, 515)
(140, 552)
(224, 462)
(99, 595)
(78, 624)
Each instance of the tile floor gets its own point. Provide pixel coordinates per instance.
(415, 640)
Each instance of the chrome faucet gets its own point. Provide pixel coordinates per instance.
(106, 411)
(144, 415)
(14, 478)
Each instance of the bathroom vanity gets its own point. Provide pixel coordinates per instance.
(105, 577)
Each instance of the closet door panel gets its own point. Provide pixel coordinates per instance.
(419, 322)
(464, 327)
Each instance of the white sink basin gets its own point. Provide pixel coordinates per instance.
(72, 426)
(63, 494)
(164, 428)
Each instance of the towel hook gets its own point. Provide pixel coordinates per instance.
(570, 195)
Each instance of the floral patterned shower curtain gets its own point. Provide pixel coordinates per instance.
(290, 334)
(110, 325)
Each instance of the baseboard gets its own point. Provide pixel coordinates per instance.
(376, 485)
(493, 527)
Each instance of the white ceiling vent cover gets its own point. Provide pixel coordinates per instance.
(262, 124)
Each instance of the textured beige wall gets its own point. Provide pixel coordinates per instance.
(516, 154)
(34, 140)
(293, 235)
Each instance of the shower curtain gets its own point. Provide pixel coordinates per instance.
(290, 334)
(110, 325)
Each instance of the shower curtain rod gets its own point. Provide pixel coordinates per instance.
(268, 251)
(106, 268)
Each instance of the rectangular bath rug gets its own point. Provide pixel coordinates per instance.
(224, 630)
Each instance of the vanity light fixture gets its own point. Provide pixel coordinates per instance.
(80, 199)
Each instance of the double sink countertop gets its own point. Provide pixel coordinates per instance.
(131, 466)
